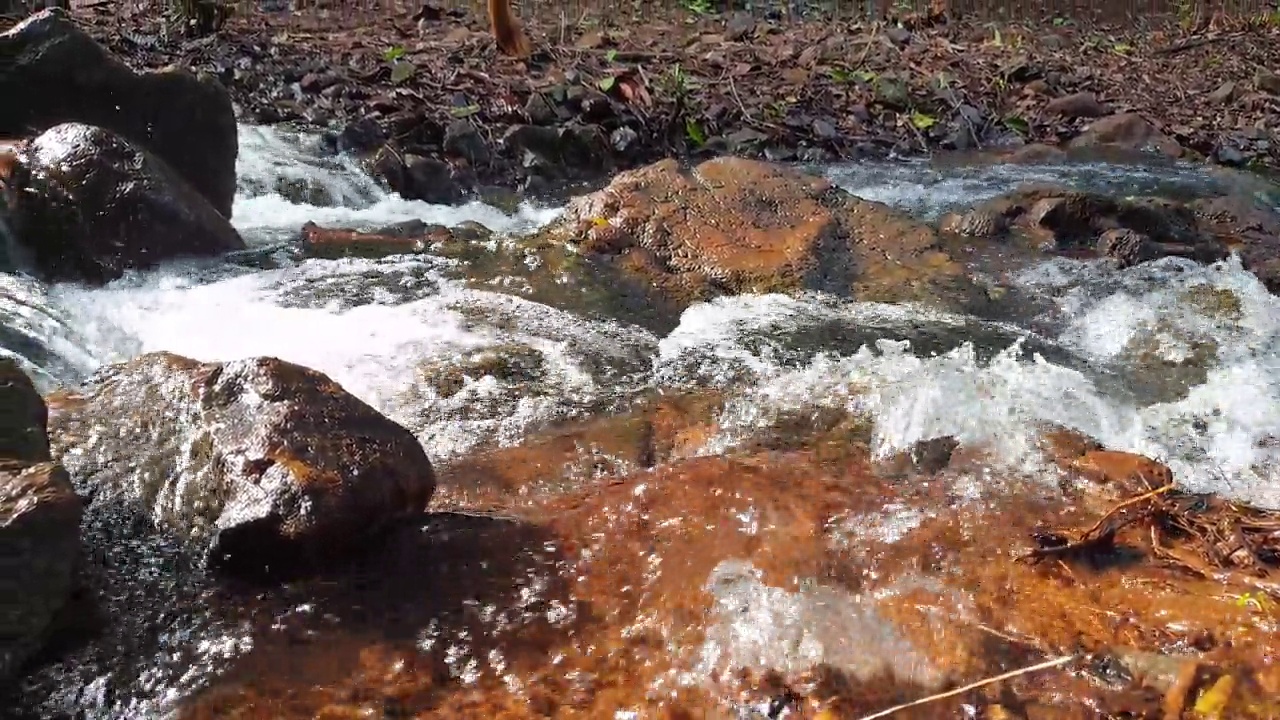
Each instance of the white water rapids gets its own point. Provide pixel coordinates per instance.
(372, 324)
(369, 323)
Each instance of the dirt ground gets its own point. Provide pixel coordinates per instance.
(429, 82)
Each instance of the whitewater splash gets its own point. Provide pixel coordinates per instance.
(373, 324)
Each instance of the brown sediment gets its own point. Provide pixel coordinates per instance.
(606, 586)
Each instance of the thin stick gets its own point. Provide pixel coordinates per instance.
(972, 686)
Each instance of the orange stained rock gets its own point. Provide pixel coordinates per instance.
(627, 561)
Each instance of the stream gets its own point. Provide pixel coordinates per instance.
(1092, 352)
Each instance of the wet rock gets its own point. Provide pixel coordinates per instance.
(415, 177)
(1249, 226)
(184, 119)
(1077, 105)
(508, 363)
(462, 139)
(1035, 154)
(733, 225)
(255, 464)
(565, 152)
(1127, 247)
(39, 553)
(24, 418)
(1060, 220)
(361, 136)
(1127, 130)
(93, 204)
(335, 243)
(926, 457)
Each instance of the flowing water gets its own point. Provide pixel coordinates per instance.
(1120, 356)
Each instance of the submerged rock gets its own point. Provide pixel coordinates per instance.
(1130, 230)
(52, 72)
(89, 204)
(39, 552)
(732, 225)
(23, 416)
(39, 523)
(255, 463)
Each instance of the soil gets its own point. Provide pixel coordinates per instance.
(432, 84)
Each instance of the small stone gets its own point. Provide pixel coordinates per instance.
(898, 35)
(1225, 92)
(461, 139)
(1077, 105)
(623, 138)
(824, 130)
(740, 25)
(538, 110)
(1228, 154)
(1268, 82)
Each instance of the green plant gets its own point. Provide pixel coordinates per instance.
(401, 69)
(697, 7)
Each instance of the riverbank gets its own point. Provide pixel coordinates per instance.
(441, 112)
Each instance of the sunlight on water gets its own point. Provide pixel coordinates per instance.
(404, 334)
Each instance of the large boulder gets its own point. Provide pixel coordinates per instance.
(88, 204)
(52, 72)
(1058, 219)
(257, 464)
(39, 523)
(732, 225)
(1249, 226)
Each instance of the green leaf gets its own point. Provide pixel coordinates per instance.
(393, 53)
(611, 55)
(922, 121)
(402, 71)
(1017, 124)
(695, 133)
(462, 111)
(606, 84)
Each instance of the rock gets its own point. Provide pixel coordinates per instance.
(1077, 105)
(539, 111)
(461, 139)
(1127, 247)
(1248, 226)
(430, 180)
(1035, 154)
(24, 419)
(361, 136)
(1127, 130)
(925, 457)
(255, 464)
(1267, 82)
(39, 553)
(1062, 220)
(565, 152)
(733, 225)
(52, 73)
(339, 242)
(93, 205)
(739, 26)
(1225, 92)
(1229, 154)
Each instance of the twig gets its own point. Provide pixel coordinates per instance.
(973, 686)
(1192, 43)
(1127, 503)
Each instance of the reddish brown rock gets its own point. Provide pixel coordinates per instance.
(1077, 105)
(732, 225)
(1129, 131)
(39, 552)
(1130, 231)
(254, 462)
